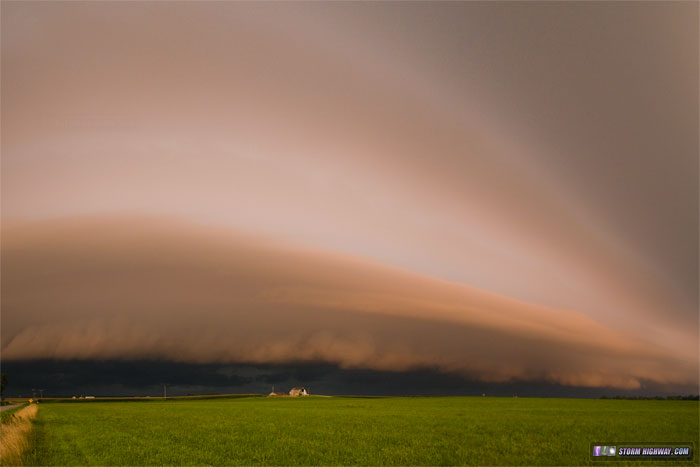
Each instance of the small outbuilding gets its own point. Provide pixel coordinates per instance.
(298, 392)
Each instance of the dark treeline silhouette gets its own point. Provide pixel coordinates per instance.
(689, 397)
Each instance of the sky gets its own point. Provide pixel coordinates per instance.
(507, 192)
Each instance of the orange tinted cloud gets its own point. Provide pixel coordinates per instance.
(133, 287)
(542, 151)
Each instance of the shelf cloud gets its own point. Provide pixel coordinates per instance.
(138, 288)
(506, 190)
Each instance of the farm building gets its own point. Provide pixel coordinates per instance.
(273, 393)
(298, 392)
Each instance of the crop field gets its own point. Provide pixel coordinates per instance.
(350, 431)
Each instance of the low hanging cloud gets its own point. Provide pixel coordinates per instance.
(140, 288)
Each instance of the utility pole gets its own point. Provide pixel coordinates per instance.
(41, 392)
(165, 394)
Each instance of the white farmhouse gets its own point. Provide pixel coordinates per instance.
(298, 392)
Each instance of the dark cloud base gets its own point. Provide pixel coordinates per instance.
(65, 378)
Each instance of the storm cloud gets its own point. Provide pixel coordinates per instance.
(502, 190)
(130, 288)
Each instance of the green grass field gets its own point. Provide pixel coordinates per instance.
(364, 431)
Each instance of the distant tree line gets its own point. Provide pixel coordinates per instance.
(689, 397)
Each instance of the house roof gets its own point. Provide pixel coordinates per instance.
(297, 389)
